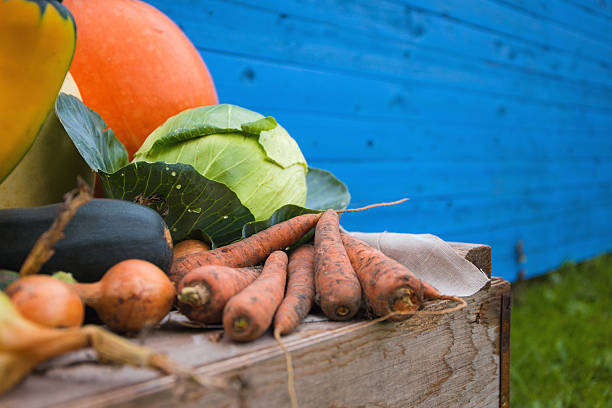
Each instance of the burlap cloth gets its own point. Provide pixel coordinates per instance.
(430, 259)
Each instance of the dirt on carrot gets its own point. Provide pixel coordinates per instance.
(390, 289)
(337, 286)
(203, 292)
(249, 251)
(249, 314)
(255, 249)
(300, 290)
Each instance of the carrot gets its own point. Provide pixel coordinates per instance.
(390, 288)
(132, 295)
(249, 314)
(249, 251)
(296, 304)
(256, 248)
(47, 301)
(337, 285)
(204, 291)
(300, 290)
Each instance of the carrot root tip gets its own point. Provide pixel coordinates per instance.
(342, 311)
(404, 301)
(241, 324)
(195, 296)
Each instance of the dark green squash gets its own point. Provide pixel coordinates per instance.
(102, 233)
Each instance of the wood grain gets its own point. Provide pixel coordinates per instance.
(479, 255)
(426, 361)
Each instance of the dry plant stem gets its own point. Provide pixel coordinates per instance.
(290, 372)
(17, 363)
(460, 306)
(43, 248)
(254, 249)
(19, 359)
(367, 207)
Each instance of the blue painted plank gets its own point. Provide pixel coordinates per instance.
(546, 244)
(499, 18)
(388, 181)
(544, 261)
(598, 7)
(267, 85)
(312, 44)
(477, 211)
(333, 138)
(422, 30)
(568, 15)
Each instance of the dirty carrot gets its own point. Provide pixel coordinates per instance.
(337, 285)
(249, 314)
(390, 288)
(296, 304)
(249, 251)
(300, 290)
(204, 291)
(256, 248)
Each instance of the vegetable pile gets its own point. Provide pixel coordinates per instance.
(337, 272)
(212, 209)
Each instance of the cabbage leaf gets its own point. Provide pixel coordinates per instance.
(191, 204)
(251, 154)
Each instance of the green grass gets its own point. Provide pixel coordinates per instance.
(561, 337)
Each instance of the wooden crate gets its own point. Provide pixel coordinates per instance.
(455, 360)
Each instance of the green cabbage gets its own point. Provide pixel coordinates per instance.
(249, 153)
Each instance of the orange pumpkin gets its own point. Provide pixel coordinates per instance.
(135, 67)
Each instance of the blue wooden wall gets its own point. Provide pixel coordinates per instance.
(493, 116)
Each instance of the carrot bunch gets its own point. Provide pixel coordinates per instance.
(339, 272)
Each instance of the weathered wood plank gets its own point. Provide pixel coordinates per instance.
(424, 362)
(368, 356)
(449, 361)
(504, 378)
(479, 255)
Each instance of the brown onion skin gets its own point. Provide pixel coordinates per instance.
(47, 301)
(132, 295)
(189, 246)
